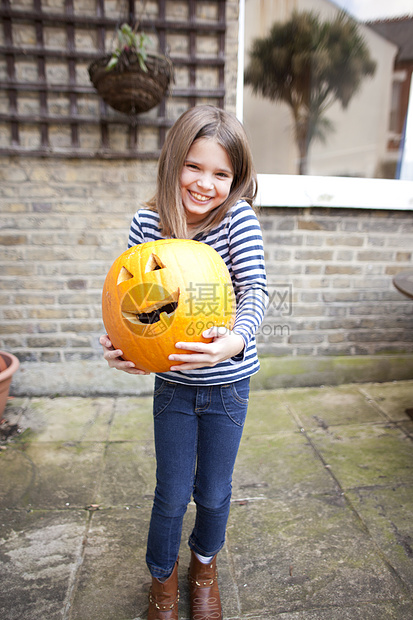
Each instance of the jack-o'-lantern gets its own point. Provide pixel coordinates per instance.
(162, 292)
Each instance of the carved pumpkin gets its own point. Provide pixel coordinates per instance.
(162, 292)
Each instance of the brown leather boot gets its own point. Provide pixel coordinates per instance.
(204, 591)
(164, 597)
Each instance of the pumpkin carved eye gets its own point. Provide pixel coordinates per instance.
(154, 263)
(123, 276)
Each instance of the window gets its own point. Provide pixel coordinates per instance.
(356, 149)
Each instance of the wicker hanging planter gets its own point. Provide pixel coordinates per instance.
(129, 89)
(130, 79)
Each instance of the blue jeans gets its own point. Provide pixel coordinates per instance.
(197, 434)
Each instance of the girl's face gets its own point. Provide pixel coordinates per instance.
(206, 179)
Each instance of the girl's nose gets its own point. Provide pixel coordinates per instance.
(205, 181)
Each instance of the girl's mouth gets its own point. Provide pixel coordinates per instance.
(199, 197)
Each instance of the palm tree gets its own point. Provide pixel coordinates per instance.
(309, 64)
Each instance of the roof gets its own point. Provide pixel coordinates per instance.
(400, 32)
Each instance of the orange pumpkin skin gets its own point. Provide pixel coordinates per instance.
(162, 292)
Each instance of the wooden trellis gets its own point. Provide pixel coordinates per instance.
(42, 116)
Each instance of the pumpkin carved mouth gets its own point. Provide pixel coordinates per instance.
(155, 315)
(152, 314)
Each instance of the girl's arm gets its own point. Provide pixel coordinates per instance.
(246, 257)
(246, 251)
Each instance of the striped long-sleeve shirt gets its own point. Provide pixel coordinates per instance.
(238, 240)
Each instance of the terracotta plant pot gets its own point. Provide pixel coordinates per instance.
(8, 366)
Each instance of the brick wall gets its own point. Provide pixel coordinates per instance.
(330, 277)
(63, 223)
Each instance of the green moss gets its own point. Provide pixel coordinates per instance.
(278, 372)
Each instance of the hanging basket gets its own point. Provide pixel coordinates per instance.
(126, 87)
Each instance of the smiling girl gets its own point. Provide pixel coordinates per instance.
(205, 189)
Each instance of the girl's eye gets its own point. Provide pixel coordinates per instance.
(192, 166)
(223, 175)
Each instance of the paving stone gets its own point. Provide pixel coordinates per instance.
(366, 455)
(267, 413)
(39, 553)
(68, 419)
(133, 420)
(387, 514)
(113, 580)
(128, 475)
(407, 427)
(323, 407)
(392, 398)
(14, 408)
(15, 403)
(17, 475)
(279, 465)
(299, 554)
(365, 611)
(51, 475)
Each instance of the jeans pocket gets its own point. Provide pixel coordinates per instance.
(235, 400)
(163, 394)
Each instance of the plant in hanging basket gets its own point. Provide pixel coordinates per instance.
(131, 79)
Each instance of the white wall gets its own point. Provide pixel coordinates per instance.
(357, 146)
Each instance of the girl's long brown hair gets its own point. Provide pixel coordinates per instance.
(201, 122)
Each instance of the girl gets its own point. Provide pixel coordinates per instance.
(205, 188)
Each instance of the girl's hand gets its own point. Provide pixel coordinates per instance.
(225, 344)
(114, 358)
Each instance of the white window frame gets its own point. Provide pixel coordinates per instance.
(288, 190)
